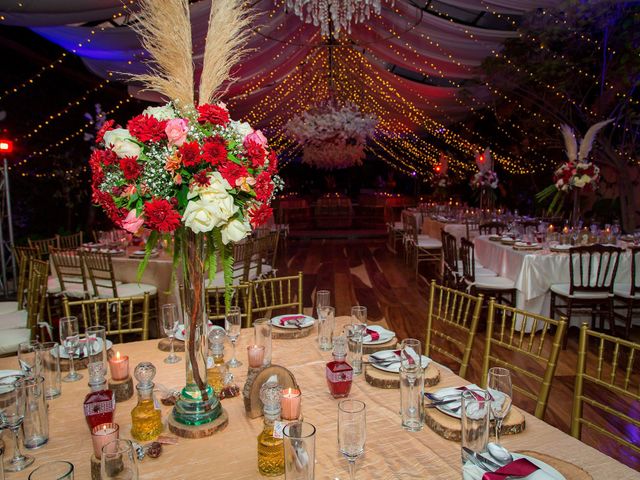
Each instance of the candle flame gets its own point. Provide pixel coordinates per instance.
(117, 355)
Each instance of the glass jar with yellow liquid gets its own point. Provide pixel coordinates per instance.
(146, 418)
(270, 445)
(216, 368)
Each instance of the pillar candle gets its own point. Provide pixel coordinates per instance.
(256, 355)
(119, 367)
(103, 434)
(290, 403)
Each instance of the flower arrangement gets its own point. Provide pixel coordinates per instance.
(486, 179)
(571, 175)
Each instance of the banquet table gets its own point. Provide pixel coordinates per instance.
(390, 452)
(432, 227)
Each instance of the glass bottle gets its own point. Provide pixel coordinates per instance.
(146, 418)
(100, 403)
(270, 448)
(339, 372)
(216, 368)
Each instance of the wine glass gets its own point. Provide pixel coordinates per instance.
(359, 315)
(13, 399)
(233, 324)
(501, 391)
(352, 431)
(69, 339)
(170, 324)
(29, 358)
(118, 461)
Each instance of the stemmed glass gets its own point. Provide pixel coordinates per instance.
(501, 391)
(233, 324)
(14, 404)
(29, 358)
(170, 324)
(352, 431)
(69, 339)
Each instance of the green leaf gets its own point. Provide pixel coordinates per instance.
(148, 248)
(226, 255)
(212, 255)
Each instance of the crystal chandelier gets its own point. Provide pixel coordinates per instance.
(340, 13)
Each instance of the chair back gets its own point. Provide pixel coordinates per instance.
(468, 258)
(492, 228)
(534, 344)
(455, 311)
(609, 375)
(635, 269)
(472, 227)
(23, 256)
(36, 293)
(276, 293)
(593, 268)
(529, 226)
(70, 272)
(264, 252)
(119, 316)
(100, 269)
(410, 226)
(215, 303)
(70, 241)
(450, 255)
(43, 246)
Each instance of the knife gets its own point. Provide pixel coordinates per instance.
(471, 455)
(488, 461)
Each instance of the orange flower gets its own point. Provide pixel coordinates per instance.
(173, 163)
(129, 190)
(245, 183)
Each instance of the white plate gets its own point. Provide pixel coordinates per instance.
(525, 244)
(385, 335)
(394, 367)
(7, 377)
(181, 332)
(560, 248)
(449, 391)
(63, 352)
(546, 472)
(306, 321)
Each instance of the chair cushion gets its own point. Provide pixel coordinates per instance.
(624, 290)
(53, 285)
(253, 271)
(425, 241)
(17, 319)
(494, 283)
(75, 290)
(218, 280)
(11, 338)
(126, 290)
(563, 289)
(8, 307)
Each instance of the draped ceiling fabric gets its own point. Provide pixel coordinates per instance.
(272, 82)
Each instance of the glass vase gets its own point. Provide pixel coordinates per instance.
(197, 404)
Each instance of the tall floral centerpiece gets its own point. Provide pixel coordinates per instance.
(485, 181)
(440, 179)
(187, 171)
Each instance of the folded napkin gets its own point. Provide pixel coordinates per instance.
(518, 468)
(374, 333)
(292, 320)
(408, 355)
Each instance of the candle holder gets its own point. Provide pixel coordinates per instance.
(122, 389)
(291, 404)
(119, 367)
(256, 355)
(100, 436)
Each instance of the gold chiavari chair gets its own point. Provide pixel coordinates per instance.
(215, 303)
(277, 293)
(534, 346)
(43, 246)
(120, 316)
(103, 278)
(23, 256)
(242, 253)
(70, 241)
(72, 278)
(454, 311)
(263, 259)
(611, 378)
(422, 248)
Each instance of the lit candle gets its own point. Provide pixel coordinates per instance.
(550, 228)
(290, 403)
(103, 434)
(256, 355)
(565, 230)
(119, 367)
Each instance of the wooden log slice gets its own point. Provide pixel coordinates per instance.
(123, 389)
(391, 344)
(95, 468)
(165, 346)
(79, 363)
(199, 431)
(450, 428)
(256, 378)
(568, 470)
(290, 333)
(380, 379)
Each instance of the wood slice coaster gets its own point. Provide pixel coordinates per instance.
(165, 346)
(290, 333)
(568, 470)
(450, 427)
(256, 377)
(198, 431)
(380, 379)
(79, 364)
(391, 344)
(123, 389)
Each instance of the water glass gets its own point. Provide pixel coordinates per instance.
(501, 392)
(170, 324)
(323, 299)
(50, 369)
(233, 324)
(35, 426)
(411, 398)
(411, 354)
(326, 325)
(359, 315)
(55, 470)
(299, 451)
(69, 339)
(97, 345)
(355, 334)
(119, 461)
(262, 337)
(474, 411)
(29, 358)
(352, 431)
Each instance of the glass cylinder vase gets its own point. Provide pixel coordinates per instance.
(197, 404)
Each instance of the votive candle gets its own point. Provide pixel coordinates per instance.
(119, 367)
(256, 355)
(103, 434)
(290, 403)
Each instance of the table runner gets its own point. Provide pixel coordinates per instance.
(391, 453)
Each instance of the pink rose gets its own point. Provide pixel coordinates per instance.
(132, 223)
(176, 131)
(257, 137)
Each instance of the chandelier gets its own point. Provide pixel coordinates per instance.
(339, 13)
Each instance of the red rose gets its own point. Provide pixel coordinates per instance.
(214, 151)
(273, 163)
(232, 171)
(255, 153)
(213, 114)
(258, 215)
(106, 126)
(190, 153)
(161, 216)
(146, 128)
(263, 187)
(130, 167)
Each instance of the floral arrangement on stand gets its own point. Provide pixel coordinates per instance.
(485, 181)
(332, 136)
(440, 179)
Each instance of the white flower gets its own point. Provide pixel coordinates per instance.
(241, 128)
(165, 112)
(581, 181)
(122, 143)
(222, 208)
(200, 217)
(234, 231)
(217, 189)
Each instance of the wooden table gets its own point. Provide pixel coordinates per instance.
(391, 453)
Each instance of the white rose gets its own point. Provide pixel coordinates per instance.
(222, 208)
(121, 141)
(200, 217)
(581, 181)
(217, 189)
(234, 231)
(165, 112)
(242, 128)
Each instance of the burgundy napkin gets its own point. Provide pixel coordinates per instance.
(476, 395)
(409, 359)
(518, 468)
(374, 335)
(291, 318)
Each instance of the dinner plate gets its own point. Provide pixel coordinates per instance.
(7, 377)
(452, 409)
(180, 334)
(391, 355)
(305, 321)
(560, 248)
(546, 472)
(385, 335)
(507, 241)
(64, 354)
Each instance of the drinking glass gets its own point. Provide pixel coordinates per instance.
(50, 368)
(359, 315)
(299, 451)
(14, 405)
(97, 345)
(118, 461)
(233, 324)
(55, 470)
(326, 324)
(352, 431)
(501, 391)
(29, 358)
(355, 334)
(323, 299)
(262, 337)
(411, 354)
(411, 398)
(170, 322)
(35, 426)
(474, 418)
(69, 339)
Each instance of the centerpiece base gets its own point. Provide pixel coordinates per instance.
(199, 431)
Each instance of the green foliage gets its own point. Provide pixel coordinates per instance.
(148, 248)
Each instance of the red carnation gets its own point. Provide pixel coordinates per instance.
(273, 163)
(258, 215)
(213, 114)
(105, 200)
(232, 171)
(190, 153)
(214, 151)
(147, 128)
(106, 126)
(201, 178)
(263, 187)
(161, 216)
(130, 167)
(107, 157)
(97, 174)
(255, 153)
